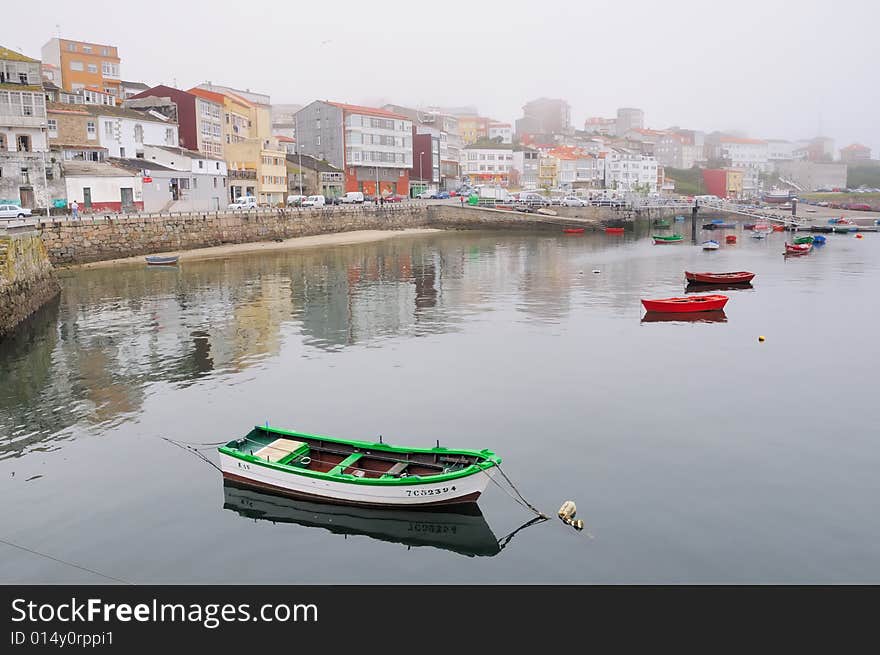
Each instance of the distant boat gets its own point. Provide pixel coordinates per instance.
(819, 240)
(613, 230)
(685, 305)
(736, 277)
(777, 196)
(659, 222)
(672, 238)
(155, 260)
(798, 248)
(730, 238)
(573, 230)
(711, 245)
(718, 226)
(759, 234)
(679, 219)
(804, 239)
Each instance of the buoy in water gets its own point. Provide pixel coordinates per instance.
(596, 270)
(761, 338)
(567, 511)
(577, 524)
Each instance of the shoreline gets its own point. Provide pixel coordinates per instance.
(294, 243)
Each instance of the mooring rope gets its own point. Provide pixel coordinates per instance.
(61, 561)
(194, 451)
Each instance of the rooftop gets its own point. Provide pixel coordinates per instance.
(183, 152)
(854, 146)
(136, 85)
(369, 111)
(736, 139)
(94, 169)
(207, 95)
(137, 164)
(121, 112)
(12, 55)
(313, 164)
(489, 145)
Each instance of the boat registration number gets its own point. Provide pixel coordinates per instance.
(429, 492)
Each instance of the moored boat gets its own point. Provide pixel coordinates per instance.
(798, 248)
(661, 222)
(613, 230)
(679, 219)
(736, 277)
(711, 245)
(730, 238)
(356, 472)
(718, 226)
(688, 304)
(156, 260)
(672, 238)
(779, 228)
(819, 240)
(804, 239)
(573, 230)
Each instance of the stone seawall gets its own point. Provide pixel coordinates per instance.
(115, 237)
(27, 280)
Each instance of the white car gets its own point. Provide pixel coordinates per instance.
(13, 211)
(315, 201)
(573, 201)
(426, 195)
(244, 202)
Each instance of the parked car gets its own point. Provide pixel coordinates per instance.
(352, 197)
(296, 200)
(426, 195)
(824, 203)
(243, 202)
(314, 201)
(534, 199)
(13, 211)
(440, 195)
(573, 201)
(393, 197)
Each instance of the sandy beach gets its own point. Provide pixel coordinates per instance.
(296, 243)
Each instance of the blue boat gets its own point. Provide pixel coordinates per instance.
(155, 260)
(717, 221)
(680, 219)
(818, 240)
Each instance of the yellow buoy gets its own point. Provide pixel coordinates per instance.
(761, 338)
(567, 511)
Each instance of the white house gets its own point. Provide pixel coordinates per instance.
(629, 171)
(125, 132)
(742, 152)
(485, 162)
(502, 131)
(102, 186)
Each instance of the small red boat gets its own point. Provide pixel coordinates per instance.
(730, 238)
(573, 230)
(737, 277)
(779, 228)
(613, 230)
(690, 304)
(798, 248)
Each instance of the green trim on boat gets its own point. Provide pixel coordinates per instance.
(805, 239)
(668, 237)
(487, 459)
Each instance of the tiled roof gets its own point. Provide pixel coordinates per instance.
(207, 95)
(369, 111)
(121, 112)
(735, 139)
(855, 146)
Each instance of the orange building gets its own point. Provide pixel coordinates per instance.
(82, 64)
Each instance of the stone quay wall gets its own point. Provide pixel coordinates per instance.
(27, 280)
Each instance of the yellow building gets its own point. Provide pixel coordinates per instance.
(238, 115)
(266, 159)
(548, 172)
(734, 183)
(473, 128)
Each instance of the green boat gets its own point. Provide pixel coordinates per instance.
(672, 238)
(805, 239)
(356, 472)
(661, 223)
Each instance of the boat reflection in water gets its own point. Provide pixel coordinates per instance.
(702, 287)
(459, 528)
(717, 316)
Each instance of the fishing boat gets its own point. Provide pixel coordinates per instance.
(156, 260)
(672, 238)
(798, 248)
(356, 472)
(822, 228)
(749, 226)
(819, 240)
(843, 228)
(613, 230)
(573, 230)
(779, 228)
(718, 226)
(760, 234)
(679, 219)
(687, 304)
(737, 277)
(804, 239)
(711, 245)
(660, 222)
(461, 528)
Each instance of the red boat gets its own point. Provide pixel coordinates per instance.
(681, 305)
(798, 248)
(779, 228)
(730, 238)
(738, 277)
(613, 230)
(573, 230)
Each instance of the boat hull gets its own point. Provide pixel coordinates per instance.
(686, 305)
(613, 230)
(738, 277)
(573, 230)
(798, 249)
(466, 489)
(161, 261)
(667, 240)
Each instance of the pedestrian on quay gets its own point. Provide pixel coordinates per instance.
(74, 209)
(461, 197)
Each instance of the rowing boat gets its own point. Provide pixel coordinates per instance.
(672, 238)
(711, 245)
(687, 304)
(798, 248)
(736, 277)
(613, 230)
(156, 260)
(352, 472)
(573, 230)
(804, 239)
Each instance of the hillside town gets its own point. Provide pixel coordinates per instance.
(73, 130)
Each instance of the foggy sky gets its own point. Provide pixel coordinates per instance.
(770, 68)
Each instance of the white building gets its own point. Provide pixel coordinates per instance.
(629, 171)
(780, 151)
(102, 186)
(125, 132)
(487, 163)
(742, 153)
(525, 162)
(502, 131)
(682, 149)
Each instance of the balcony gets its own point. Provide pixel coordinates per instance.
(17, 120)
(242, 175)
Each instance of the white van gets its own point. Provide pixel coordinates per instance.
(352, 197)
(296, 201)
(243, 202)
(314, 201)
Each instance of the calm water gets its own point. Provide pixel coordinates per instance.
(693, 452)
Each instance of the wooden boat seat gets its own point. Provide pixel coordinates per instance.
(395, 470)
(279, 449)
(344, 464)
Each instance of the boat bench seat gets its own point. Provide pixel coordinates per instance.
(395, 470)
(281, 449)
(344, 464)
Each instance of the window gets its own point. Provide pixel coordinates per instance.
(52, 125)
(76, 65)
(25, 176)
(215, 182)
(195, 183)
(169, 136)
(71, 47)
(109, 69)
(87, 49)
(201, 164)
(217, 165)
(108, 129)
(23, 143)
(105, 52)
(139, 133)
(92, 68)
(91, 132)
(317, 140)
(27, 104)
(2, 143)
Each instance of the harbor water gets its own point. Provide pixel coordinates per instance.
(695, 452)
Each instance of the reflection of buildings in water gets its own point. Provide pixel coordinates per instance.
(546, 288)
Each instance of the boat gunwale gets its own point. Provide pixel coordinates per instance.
(487, 457)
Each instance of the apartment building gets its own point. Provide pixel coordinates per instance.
(486, 162)
(630, 171)
(373, 146)
(73, 133)
(545, 116)
(125, 132)
(855, 153)
(199, 119)
(473, 128)
(263, 165)
(238, 114)
(525, 167)
(629, 118)
(502, 132)
(24, 164)
(260, 107)
(82, 64)
(680, 149)
(602, 126)
(425, 171)
(577, 169)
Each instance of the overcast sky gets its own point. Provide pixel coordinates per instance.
(773, 69)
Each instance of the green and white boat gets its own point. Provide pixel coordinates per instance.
(804, 239)
(671, 238)
(356, 472)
